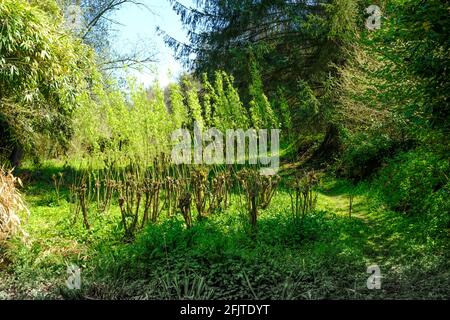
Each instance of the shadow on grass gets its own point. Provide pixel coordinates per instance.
(318, 257)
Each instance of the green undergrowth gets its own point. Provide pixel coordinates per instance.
(323, 256)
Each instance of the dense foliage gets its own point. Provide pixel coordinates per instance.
(364, 119)
(43, 69)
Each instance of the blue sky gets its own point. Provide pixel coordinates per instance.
(139, 24)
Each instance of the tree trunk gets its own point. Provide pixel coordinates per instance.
(16, 156)
(330, 145)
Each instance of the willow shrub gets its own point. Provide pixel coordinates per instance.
(112, 124)
(138, 123)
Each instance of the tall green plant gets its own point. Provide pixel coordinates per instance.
(261, 111)
(179, 113)
(42, 71)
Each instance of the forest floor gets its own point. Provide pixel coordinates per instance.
(324, 256)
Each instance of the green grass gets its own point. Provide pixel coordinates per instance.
(324, 256)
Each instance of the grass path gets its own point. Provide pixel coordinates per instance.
(414, 262)
(336, 199)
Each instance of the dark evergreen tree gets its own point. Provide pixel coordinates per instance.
(290, 41)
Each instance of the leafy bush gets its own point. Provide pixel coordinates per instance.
(365, 152)
(42, 71)
(416, 181)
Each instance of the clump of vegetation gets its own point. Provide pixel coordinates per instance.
(211, 193)
(220, 191)
(81, 195)
(412, 181)
(371, 107)
(200, 184)
(142, 195)
(43, 68)
(11, 205)
(184, 204)
(304, 195)
(258, 190)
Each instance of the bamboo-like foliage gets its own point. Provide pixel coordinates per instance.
(261, 111)
(11, 205)
(42, 71)
(238, 113)
(111, 124)
(194, 106)
(179, 112)
(222, 100)
(284, 112)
